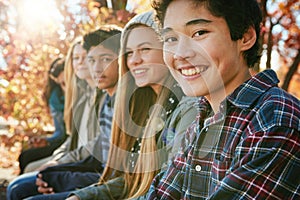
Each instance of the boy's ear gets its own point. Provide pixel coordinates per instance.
(248, 39)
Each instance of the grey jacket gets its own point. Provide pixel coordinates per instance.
(183, 115)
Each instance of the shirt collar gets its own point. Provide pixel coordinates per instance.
(243, 96)
(247, 93)
(110, 100)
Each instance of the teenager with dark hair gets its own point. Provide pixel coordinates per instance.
(244, 143)
(42, 147)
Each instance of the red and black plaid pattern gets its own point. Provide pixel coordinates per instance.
(249, 150)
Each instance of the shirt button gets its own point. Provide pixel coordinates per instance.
(198, 168)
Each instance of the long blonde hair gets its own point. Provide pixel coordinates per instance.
(131, 121)
(71, 91)
(151, 157)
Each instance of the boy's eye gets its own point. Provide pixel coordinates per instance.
(169, 39)
(106, 59)
(91, 61)
(199, 33)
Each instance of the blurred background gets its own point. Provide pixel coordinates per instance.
(35, 32)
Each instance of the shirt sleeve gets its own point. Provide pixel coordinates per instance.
(62, 149)
(267, 170)
(177, 125)
(110, 190)
(80, 153)
(181, 122)
(168, 184)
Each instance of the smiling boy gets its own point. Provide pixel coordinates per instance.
(244, 144)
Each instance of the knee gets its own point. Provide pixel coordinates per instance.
(9, 189)
(21, 190)
(20, 186)
(12, 192)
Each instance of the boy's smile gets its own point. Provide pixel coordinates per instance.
(200, 52)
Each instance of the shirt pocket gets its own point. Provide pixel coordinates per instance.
(220, 168)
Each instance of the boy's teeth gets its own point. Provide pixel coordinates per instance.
(192, 71)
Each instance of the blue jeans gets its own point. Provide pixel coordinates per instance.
(22, 186)
(56, 196)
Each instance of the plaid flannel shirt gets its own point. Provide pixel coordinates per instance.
(105, 122)
(249, 150)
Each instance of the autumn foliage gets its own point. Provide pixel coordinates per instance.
(29, 43)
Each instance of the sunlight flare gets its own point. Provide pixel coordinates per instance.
(36, 16)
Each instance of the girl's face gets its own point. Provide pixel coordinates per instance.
(145, 58)
(78, 59)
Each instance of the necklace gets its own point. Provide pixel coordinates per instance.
(169, 107)
(135, 151)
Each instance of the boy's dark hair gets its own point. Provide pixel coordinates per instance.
(239, 15)
(108, 36)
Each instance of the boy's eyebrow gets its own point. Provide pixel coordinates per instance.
(100, 55)
(198, 21)
(189, 23)
(165, 30)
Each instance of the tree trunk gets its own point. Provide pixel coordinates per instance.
(103, 3)
(270, 45)
(118, 4)
(292, 70)
(263, 6)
